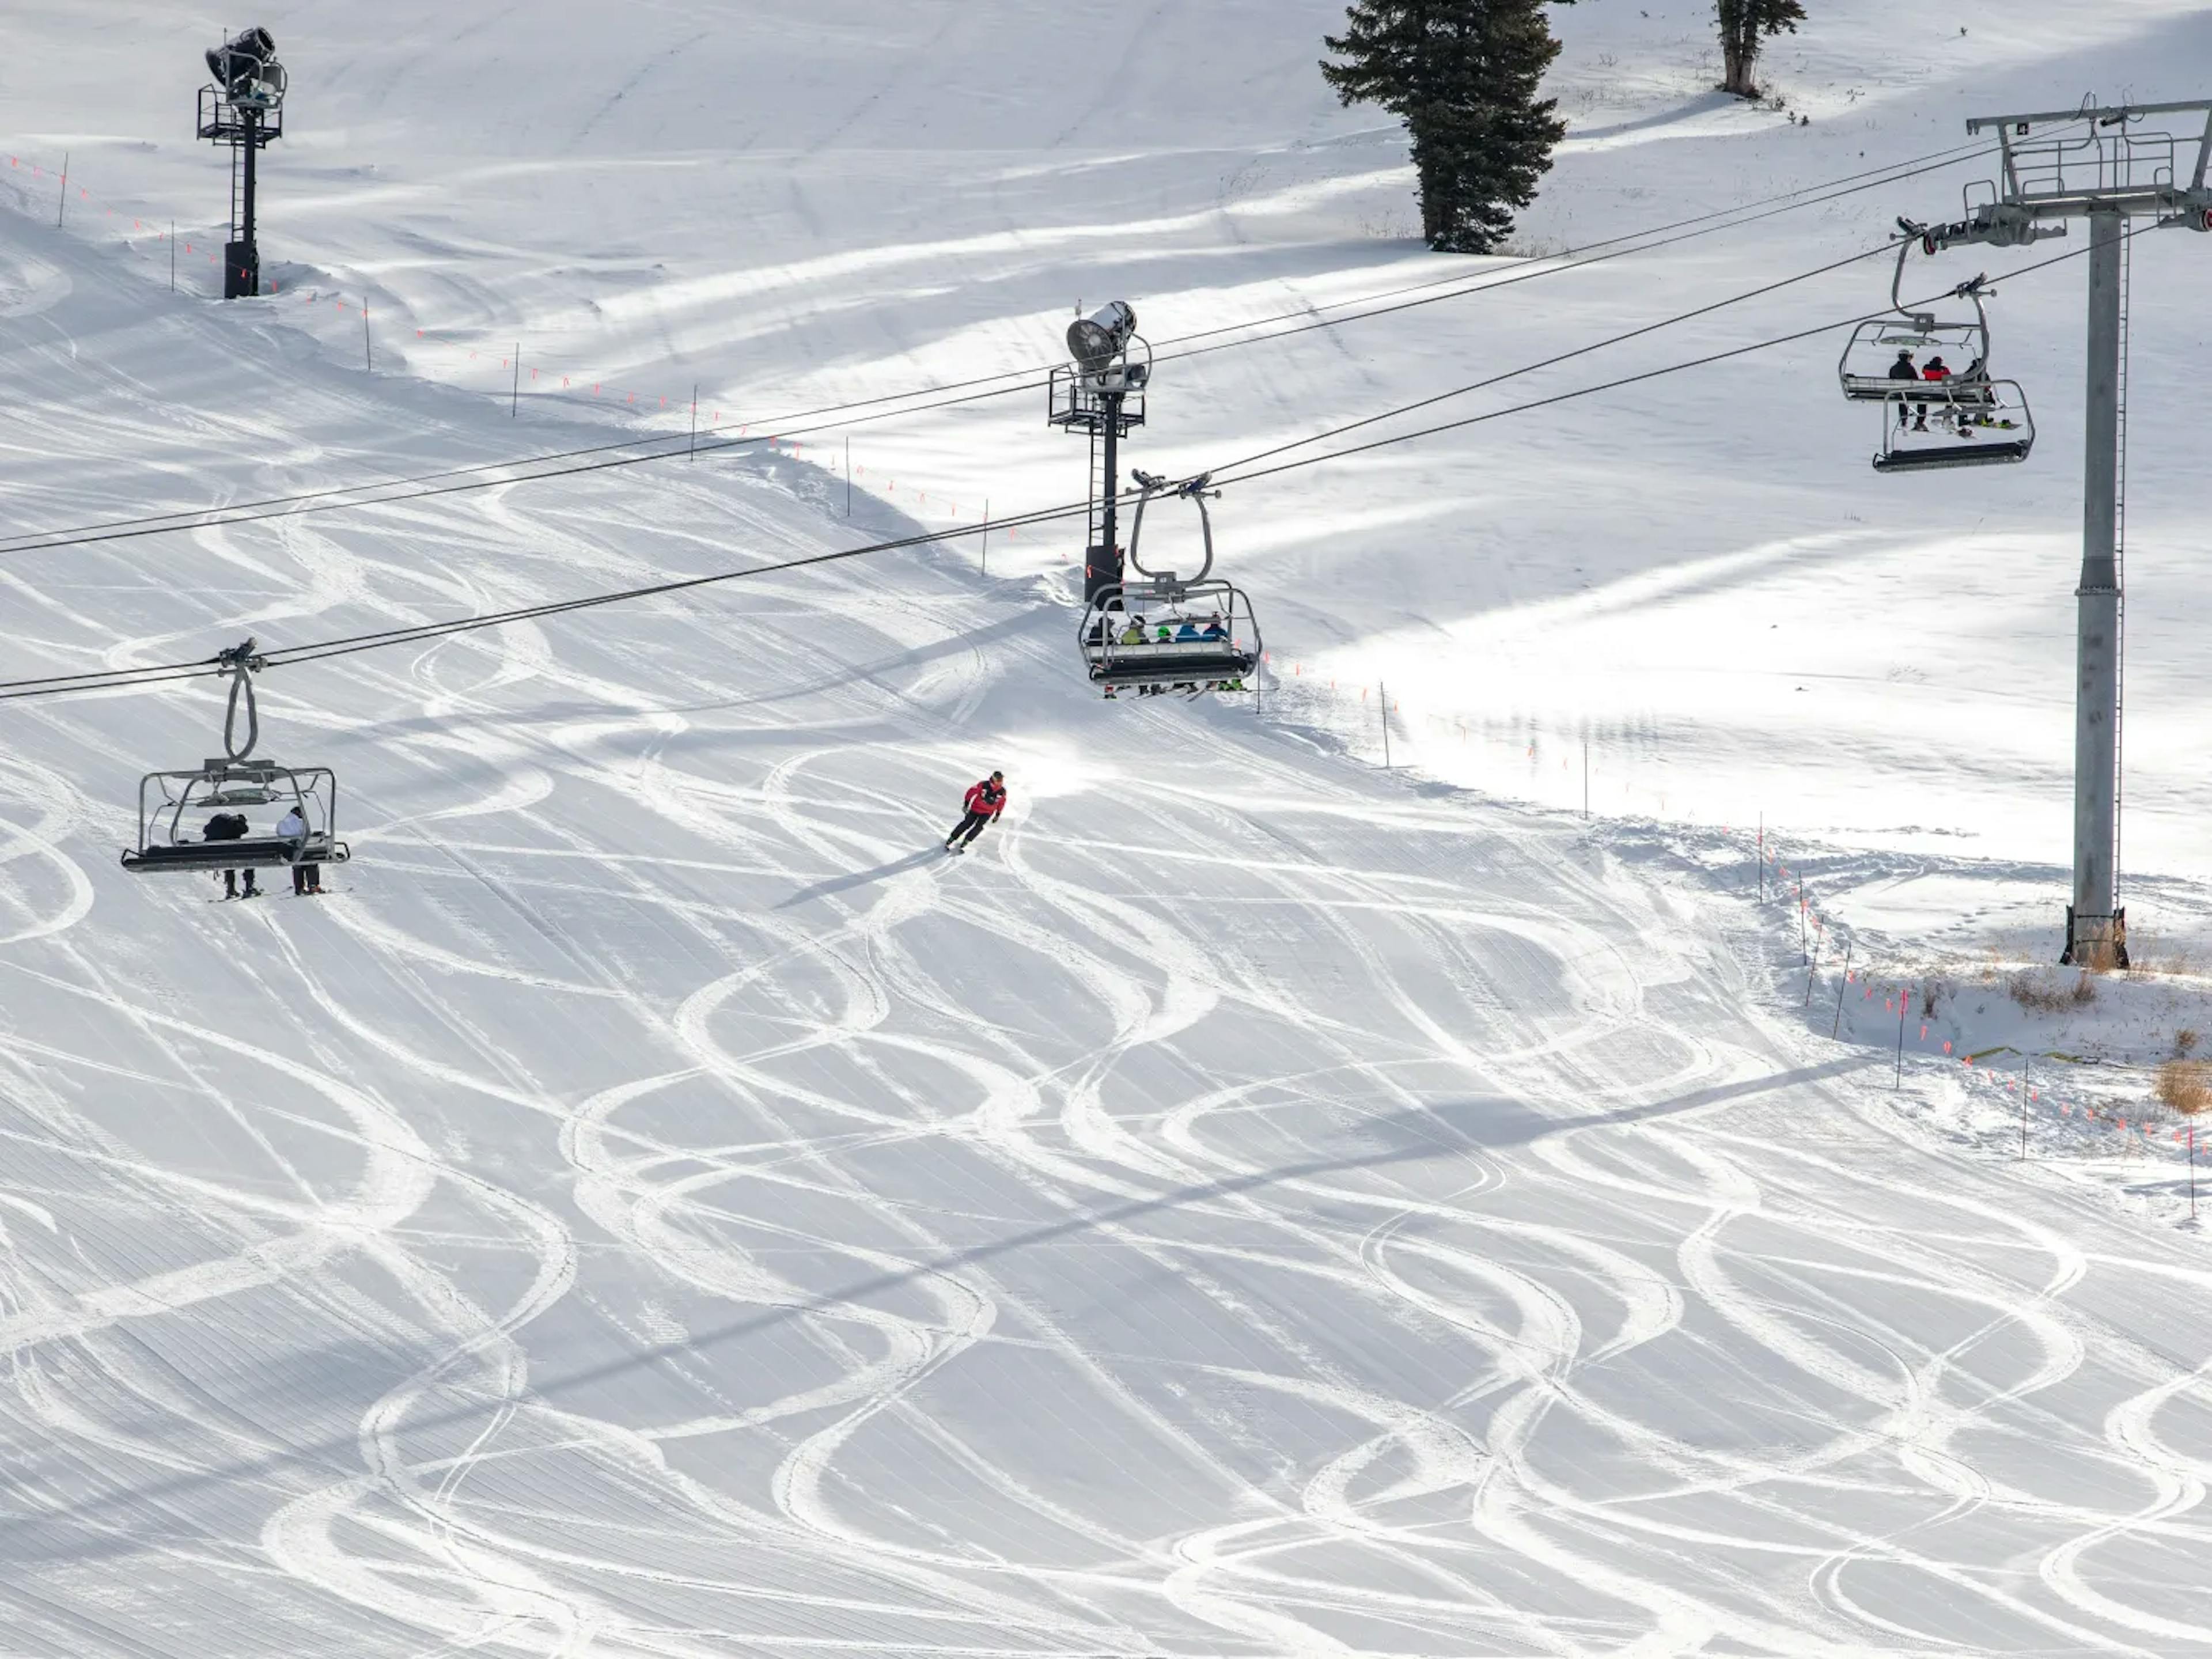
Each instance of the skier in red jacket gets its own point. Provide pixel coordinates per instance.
(986, 800)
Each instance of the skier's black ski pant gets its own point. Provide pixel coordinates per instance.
(971, 826)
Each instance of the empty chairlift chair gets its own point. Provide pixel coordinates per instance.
(224, 813)
(1162, 632)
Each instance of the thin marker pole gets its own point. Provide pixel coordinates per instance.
(173, 256)
(1383, 695)
(1812, 967)
(848, 476)
(62, 212)
(368, 363)
(692, 454)
(514, 396)
(1838, 1026)
(1901, 991)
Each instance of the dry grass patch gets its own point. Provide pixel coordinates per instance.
(2040, 995)
(2185, 1087)
(2157, 962)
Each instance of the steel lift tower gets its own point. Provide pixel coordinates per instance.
(2105, 175)
(243, 106)
(1102, 394)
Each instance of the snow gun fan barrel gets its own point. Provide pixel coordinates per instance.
(246, 67)
(1097, 340)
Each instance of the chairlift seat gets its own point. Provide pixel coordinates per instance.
(1162, 665)
(1870, 389)
(256, 853)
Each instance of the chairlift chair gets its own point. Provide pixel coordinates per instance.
(1212, 637)
(1864, 369)
(1944, 423)
(171, 834)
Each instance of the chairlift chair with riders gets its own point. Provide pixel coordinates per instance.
(1964, 419)
(173, 837)
(1165, 631)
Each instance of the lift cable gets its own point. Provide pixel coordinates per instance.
(111, 679)
(669, 445)
(1586, 391)
(1561, 357)
(1577, 264)
(246, 514)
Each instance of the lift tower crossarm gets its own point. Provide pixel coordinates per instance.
(2116, 113)
(2106, 169)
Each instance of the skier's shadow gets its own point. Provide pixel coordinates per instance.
(860, 877)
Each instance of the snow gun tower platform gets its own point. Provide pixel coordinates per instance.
(2098, 165)
(243, 107)
(1102, 394)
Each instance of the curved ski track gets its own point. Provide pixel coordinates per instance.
(661, 1205)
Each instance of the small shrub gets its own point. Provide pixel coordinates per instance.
(2185, 1087)
(2184, 1040)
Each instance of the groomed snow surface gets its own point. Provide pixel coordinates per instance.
(1254, 1204)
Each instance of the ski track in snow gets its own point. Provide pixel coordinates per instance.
(661, 1205)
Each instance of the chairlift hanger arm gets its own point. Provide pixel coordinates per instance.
(1912, 234)
(241, 663)
(1150, 484)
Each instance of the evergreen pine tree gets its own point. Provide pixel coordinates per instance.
(1744, 25)
(1464, 74)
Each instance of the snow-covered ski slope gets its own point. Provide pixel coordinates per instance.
(1700, 572)
(661, 1205)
